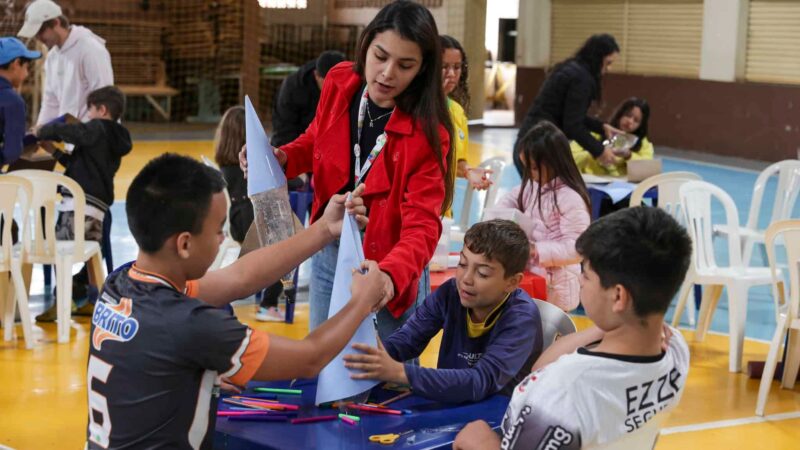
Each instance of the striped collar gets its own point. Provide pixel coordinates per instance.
(152, 277)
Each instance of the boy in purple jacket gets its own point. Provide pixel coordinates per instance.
(492, 329)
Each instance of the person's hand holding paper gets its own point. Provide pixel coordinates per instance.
(334, 381)
(352, 203)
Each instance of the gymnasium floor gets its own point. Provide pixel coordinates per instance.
(44, 404)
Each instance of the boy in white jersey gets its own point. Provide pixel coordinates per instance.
(601, 385)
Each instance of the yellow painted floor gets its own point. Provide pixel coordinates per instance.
(43, 404)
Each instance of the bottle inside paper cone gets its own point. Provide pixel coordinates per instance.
(266, 187)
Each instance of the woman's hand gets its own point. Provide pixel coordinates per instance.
(611, 131)
(607, 158)
(479, 178)
(280, 155)
(353, 203)
(388, 290)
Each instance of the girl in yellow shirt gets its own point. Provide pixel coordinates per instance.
(455, 73)
(632, 116)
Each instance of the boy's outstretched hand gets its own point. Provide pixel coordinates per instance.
(375, 364)
(334, 212)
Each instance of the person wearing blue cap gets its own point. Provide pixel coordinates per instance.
(14, 60)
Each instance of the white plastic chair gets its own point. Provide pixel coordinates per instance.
(668, 185)
(736, 277)
(555, 322)
(788, 172)
(43, 248)
(788, 313)
(228, 243)
(11, 255)
(496, 165)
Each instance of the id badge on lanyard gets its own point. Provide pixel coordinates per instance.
(379, 143)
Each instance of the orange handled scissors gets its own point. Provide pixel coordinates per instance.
(387, 439)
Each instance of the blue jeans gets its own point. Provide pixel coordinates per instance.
(323, 269)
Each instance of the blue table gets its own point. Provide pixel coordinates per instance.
(434, 424)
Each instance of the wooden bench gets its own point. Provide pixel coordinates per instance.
(150, 93)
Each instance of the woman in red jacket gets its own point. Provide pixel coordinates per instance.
(383, 121)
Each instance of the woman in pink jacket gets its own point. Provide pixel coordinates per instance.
(554, 196)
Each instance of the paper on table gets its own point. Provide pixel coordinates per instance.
(599, 179)
(334, 381)
(617, 190)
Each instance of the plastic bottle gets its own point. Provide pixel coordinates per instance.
(621, 143)
(266, 187)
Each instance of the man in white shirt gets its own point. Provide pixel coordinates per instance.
(602, 385)
(77, 62)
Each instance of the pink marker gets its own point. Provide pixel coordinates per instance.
(242, 413)
(349, 421)
(313, 419)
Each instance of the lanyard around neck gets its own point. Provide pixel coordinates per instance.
(379, 143)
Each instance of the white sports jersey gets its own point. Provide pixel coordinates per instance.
(588, 399)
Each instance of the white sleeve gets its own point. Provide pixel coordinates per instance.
(50, 104)
(679, 352)
(541, 414)
(96, 67)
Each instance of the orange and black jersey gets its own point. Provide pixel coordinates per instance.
(155, 356)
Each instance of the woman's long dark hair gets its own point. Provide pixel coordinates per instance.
(424, 98)
(229, 137)
(592, 54)
(461, 92)
(546, 146)
(624, 108)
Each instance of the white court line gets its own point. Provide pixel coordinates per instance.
(731, 423)
(711, 164)
(746, 338)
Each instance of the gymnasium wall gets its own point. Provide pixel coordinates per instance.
(749, 120)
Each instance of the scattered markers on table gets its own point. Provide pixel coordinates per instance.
(313, 419)
(279, 391)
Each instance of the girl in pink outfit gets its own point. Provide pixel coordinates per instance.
(554, 197)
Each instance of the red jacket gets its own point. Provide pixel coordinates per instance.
(404, 189)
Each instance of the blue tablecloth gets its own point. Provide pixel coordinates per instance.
(434, 425)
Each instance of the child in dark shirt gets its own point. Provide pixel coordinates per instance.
(14, 61)
(492, 329)
(100, 145)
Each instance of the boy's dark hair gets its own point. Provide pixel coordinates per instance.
(326, 60)
(643, 249)
(502, 241)
(110, 97)
(170, 195)
(22, 61)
